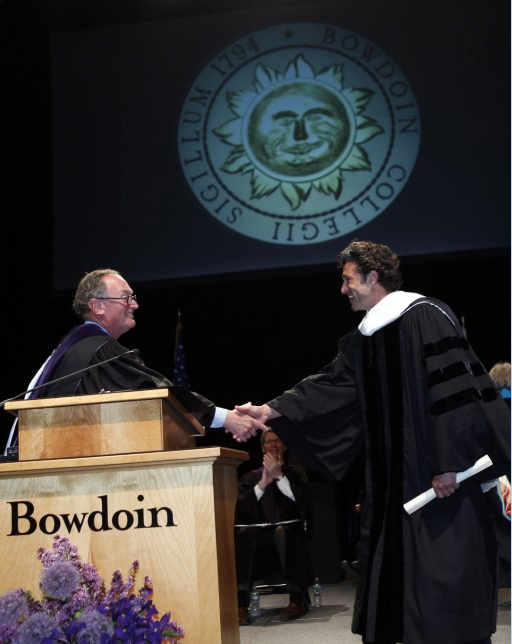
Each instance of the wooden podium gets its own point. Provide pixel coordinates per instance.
(98, 424)
(172, 511)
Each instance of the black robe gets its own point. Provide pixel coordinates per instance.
(272, 508)
(415, 395)
(125, 371)
(249, 510)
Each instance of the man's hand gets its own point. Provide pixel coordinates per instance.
(259, 412)
(445, 484)
(242, 426)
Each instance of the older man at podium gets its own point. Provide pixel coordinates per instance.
(91, 360)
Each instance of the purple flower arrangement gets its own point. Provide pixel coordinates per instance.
(77, 608)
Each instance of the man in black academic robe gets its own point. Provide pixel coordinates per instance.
(408, 388)
(273, 515)
(91, 360)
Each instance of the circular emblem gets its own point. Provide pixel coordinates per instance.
(298, 134)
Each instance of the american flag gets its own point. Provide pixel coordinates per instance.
(180, 374)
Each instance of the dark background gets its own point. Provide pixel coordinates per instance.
(250, 335)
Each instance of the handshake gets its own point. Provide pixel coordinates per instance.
(244, 421)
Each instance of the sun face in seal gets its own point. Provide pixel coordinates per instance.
(298, 130)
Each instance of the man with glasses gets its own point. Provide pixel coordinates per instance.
(273, 511)
(107, 305)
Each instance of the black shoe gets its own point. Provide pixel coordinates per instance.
(294, 611)
(244, 619)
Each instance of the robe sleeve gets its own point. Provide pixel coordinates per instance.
(463, 416)
(321, 421)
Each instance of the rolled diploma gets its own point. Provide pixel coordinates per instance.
(425, 497)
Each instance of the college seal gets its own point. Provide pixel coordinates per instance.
(298, 134)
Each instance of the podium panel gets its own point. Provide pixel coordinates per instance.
(173, 512)
(99, 424)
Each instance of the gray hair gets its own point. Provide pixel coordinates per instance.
(91, 285)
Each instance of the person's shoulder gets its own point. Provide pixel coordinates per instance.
(112, 346)
(349, 341)
(296, 470)
(90, 345)
(431, 306)
(255, 473)
(349, 336)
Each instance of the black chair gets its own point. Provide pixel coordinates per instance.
(268, 574)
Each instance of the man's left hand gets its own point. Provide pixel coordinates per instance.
(445, 484)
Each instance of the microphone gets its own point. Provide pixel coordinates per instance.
(135, 352)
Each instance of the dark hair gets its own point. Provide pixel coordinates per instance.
(268, 431)
(91, 285)
(369, 256)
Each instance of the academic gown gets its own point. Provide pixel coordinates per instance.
(122, 373)
(415, 395)
(250, 510)
(274, 507)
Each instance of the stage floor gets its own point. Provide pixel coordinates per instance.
(330, 624)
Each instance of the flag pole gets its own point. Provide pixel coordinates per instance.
(177, 335)
(180, 375)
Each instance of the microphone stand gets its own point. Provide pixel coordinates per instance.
(11, 451)
(68, 375)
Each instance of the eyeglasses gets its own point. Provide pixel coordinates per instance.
(127, 298)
